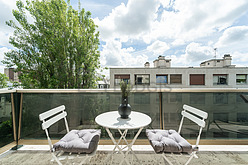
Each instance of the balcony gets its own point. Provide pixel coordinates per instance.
(224, 139)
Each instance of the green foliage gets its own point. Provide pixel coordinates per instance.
(15, 84)
(6, 128)
(57, 49)
(125, 89)
(3, 80)
(6, 132)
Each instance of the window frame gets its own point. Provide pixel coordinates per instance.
(121, 77)
(193, 77)
(161, 83)
(219, 82)
(136, 82)
(245, 79)
(175, 75)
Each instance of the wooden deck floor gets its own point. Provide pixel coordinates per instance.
(44, 158)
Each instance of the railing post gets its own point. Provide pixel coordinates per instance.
(161, 110)
(13, 117)
(16, 104)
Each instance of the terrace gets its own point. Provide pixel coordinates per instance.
(224, 139)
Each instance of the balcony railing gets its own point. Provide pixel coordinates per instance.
(228, 112)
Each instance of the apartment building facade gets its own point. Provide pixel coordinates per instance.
(214, 73)
(11, 74)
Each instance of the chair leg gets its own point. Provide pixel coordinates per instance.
(84, 160)
(56, 158)
(165, 158)
(193, 154)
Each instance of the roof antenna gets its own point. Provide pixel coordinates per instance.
(215, 50)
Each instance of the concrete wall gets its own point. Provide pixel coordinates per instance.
(230, 71)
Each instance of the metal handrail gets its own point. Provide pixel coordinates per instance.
(117, 90)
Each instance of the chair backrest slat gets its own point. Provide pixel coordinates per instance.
(51, 112)
(53, 120)
(193, 110)
(194, 118)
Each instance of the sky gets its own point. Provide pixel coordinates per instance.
(133, 32)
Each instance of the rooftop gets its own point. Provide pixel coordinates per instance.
(208, 154)
(224, 139)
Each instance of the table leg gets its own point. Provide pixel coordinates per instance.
(127, 145)
(117, 144)
(131, 144)
(122, 135)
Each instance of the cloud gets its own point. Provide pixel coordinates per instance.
(239, 59)
(195, 53)
(178, 42)
(136, 17)
(129, 20)
(233, 35)
(114, 55)
(2, 51)
(165, 3)
(158, 47)
(191, 19)
(6, 15)
(5, 38)
(6, 8)
(161, 21)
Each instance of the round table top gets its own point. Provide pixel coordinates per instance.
(113, 120)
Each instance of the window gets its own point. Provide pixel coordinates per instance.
(141, 98)
(197, 79)
(242, 117)
(241, 79)
(220, 79)
(220, 98)
(220, 117)
(197, 98)
(120, 77)
(175, 79)
(175, 97)
(161, 79)
(142, 79)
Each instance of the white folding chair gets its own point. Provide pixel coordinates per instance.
(76, 141)
(170, 141)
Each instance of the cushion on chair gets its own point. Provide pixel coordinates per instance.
(168, 141)
(79, 141)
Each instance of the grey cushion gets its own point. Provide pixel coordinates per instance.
(79, 141)
(168, 141)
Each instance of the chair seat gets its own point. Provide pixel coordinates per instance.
(79, 141)
(168, 141)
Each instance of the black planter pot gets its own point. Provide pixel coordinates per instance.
(124, 109)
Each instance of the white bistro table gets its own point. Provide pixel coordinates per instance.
(112, 120)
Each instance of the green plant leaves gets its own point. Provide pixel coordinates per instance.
(57, 49)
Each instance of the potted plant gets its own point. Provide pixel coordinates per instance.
(124, 108)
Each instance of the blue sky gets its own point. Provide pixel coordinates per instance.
(133, 32)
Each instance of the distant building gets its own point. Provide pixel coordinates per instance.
(103, 84)
(225, 62)
(13, 76)
(214, 73)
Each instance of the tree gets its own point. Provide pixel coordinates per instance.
(58, 48)
(3, 80)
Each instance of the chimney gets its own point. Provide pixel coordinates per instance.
(161, 62)
(147, 65)
(227, 60)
